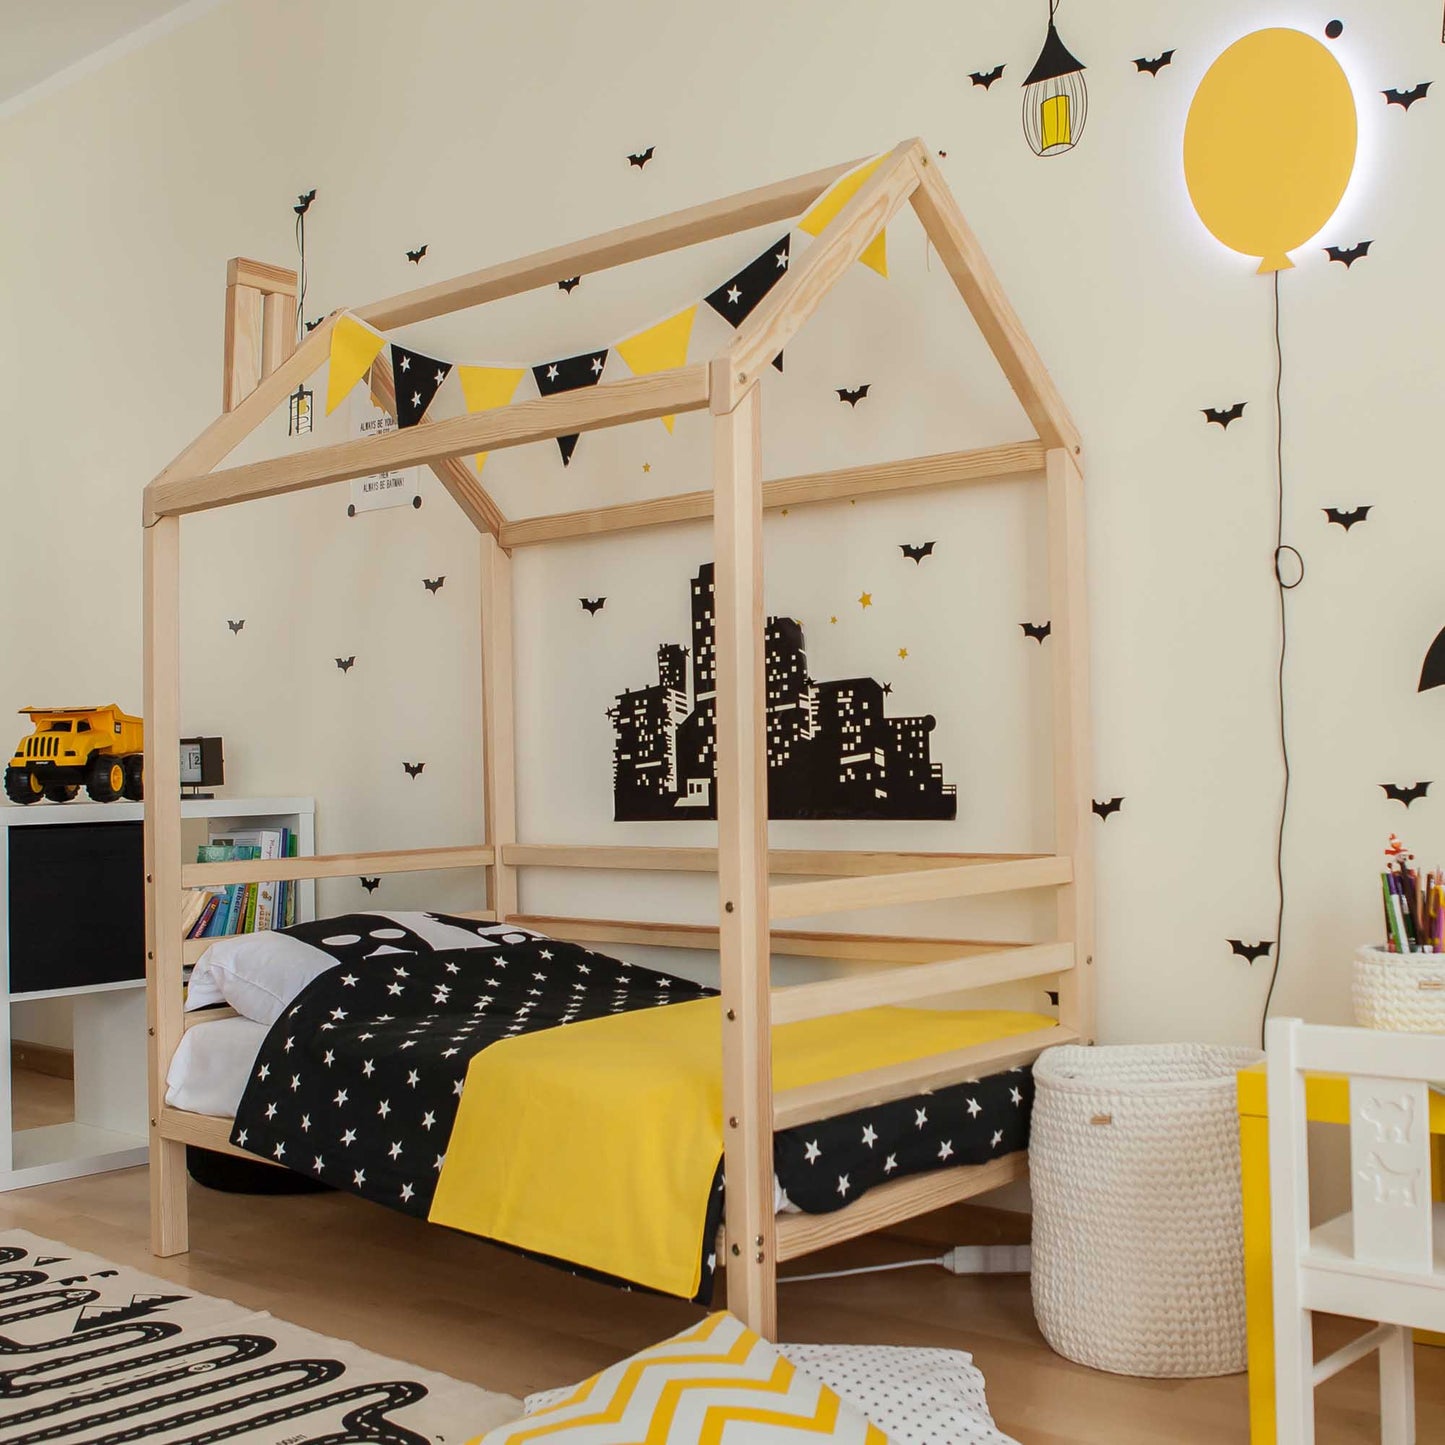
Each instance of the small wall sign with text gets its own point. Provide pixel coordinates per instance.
(397, 488)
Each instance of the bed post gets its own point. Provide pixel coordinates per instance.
(498, 716)
(164, 997)
(1073, 773)
(742, 809)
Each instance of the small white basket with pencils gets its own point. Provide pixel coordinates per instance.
(1401, 987)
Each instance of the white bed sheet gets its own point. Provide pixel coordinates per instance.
(209, 1072)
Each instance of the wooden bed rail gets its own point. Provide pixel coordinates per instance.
(333, 865)
(920, 982)
(829, 862)
(881, 890)
(897, 1081)
(944, 469)
(635, 398)
(783, 943)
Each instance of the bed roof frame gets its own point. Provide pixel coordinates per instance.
(262, 369)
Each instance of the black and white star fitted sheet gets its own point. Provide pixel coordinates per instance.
(359, 1079)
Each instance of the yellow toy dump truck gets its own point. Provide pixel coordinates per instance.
(99, 747)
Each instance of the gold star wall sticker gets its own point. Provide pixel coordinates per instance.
(866, 599)
(647, 466)
(833, 620)
(903, 653)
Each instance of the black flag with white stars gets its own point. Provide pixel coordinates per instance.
(418, 378)
(737, 297)
(570, 374)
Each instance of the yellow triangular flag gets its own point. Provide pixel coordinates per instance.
(485, 388)
(354, 346)
(659, 348)
(834, 199)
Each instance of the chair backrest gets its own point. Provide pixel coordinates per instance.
(1389, 1088)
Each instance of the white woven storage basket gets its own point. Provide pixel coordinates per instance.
(1138, 1258)
(1404, 992)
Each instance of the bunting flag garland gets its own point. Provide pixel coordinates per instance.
(418, 378)
(659, 348)
(484, 388)
(827, 206)
(737, 297)
(569, 374)
(354, 346)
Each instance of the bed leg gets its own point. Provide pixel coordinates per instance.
(170, 1215)
(165, 991)
(742, 808)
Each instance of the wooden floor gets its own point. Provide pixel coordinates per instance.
(344, 1267)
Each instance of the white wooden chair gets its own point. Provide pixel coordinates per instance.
(1384, 1260)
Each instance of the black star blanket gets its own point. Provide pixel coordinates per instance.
(359, 1080)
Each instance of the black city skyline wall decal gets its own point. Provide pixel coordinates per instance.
(570, 373)
(832, 751)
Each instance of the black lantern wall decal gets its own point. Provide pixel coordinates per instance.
(1056, 100)
(298, 412)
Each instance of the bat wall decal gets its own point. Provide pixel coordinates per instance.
(1345, 519)
(312, 325)
(415, 256)
(346, 663)
(852, 395)
(1037, 630)
(1399, 793)
(593, 605)
(1349, 254)
(236, 626)
(1224, 415)
(433, 584)
(1107, 806)
(916, 554)
(570, 284)
(1153, 67)
(413, 770)
(986, 78)
(370, 884)
(641, 158)
(1406, 98)
(303, 202)
(1251, 951)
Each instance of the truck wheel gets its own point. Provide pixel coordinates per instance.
(105, 779)
(61, 792)
(22, 786)
(134, 778)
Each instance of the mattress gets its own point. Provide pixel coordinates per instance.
(210, 1069)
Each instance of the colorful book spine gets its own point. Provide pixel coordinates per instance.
(200, 927)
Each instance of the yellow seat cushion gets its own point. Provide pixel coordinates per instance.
(715, 1384)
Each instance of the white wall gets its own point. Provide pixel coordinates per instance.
(487, 131)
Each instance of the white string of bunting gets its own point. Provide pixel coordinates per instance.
(662, 346)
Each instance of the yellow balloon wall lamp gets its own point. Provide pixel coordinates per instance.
(1056, 100)
(1269, 145)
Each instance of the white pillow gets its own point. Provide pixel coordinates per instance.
(918, 1396)
(259, 974)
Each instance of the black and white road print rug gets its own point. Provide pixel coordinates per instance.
(93, 1353)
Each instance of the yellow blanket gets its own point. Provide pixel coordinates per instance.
(597, 1143)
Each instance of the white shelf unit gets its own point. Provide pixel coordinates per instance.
(109, 1130)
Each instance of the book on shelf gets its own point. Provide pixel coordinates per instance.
(220, 911)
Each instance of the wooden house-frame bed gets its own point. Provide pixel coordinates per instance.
(758, 888)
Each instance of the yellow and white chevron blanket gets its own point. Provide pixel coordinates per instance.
(715, 1384)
